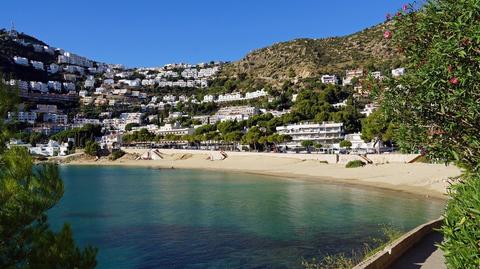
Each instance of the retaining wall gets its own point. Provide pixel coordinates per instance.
(385, 258)
(329, 158)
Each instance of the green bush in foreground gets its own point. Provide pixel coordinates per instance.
(355, 164)
(342, 261)
(462, 224)
(435, 104)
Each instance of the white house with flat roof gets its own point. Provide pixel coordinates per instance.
(398, 72)
(326, 133)
(330, 79)
(21, 116)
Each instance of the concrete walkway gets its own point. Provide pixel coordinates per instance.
(424, 255)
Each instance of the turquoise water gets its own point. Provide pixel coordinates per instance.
(150, 218)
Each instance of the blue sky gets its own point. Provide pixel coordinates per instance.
(153, 33)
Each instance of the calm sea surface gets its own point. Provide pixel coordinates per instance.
(150, 218)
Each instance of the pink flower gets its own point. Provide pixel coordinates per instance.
(454, 81)
(387, 34)
(399, 14)
(389, 16)
(405, 7)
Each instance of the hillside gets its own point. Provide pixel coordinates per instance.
(306, 58)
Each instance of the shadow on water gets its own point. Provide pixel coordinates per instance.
(87, 215)
(176, 246)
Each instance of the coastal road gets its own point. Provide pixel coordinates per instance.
(424, 255)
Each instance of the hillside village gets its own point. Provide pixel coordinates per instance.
(68, 99)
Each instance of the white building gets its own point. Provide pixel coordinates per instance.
(326, 133)
(351, 74)
(329, 79)
(70, 58)
(131, 117)
(20, 116)
(369, 109)
(20, 60)
(169, 98)
(359, 146)
(377, 75)
(57, 119)
(69, 86)
(79, 121)
(37, 65)
(41, 108)
(232, 113)
(111, 141)
(341, 104)
(39, 86)
(173, 129)
(82, 93)
(53, 148)
(55, 85)
(256, 94)
(53, 68)
(90, 83)
(229, 97)
(398, 72)
(208, 98)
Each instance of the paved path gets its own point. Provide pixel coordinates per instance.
(424, 255)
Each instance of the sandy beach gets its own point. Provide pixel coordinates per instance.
(430, 180)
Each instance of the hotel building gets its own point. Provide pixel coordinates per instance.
(326, 133)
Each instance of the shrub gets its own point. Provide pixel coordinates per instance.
(92, 148)
(345, 144)
(461, 228)
(355, 164)
(435, 104)
(117, 154)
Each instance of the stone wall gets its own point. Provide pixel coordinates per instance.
(330, 158)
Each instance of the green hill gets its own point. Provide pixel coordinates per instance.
(307, 58)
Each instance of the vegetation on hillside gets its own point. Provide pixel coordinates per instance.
(308, 58)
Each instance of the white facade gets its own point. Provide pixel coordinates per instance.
(89, 83)
(69, 86)
(229, 97)
(53, 148)
(20, 116)
(55, 85)
(57, 119)
(398, 72)
(70, 58)
(38, 86)
(53, 68)
(173, 129)
(326, 133)
(131, 117)
(329, 79)
(256, 94)
(208, 98)
(37, 65)
(351, 74)
(369, 109)
(20, 60)
(360, 146)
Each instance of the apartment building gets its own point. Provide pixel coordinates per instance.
(326, 133)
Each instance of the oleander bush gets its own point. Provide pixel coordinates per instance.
(462, 224)
(436, 107)
(355, 164)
